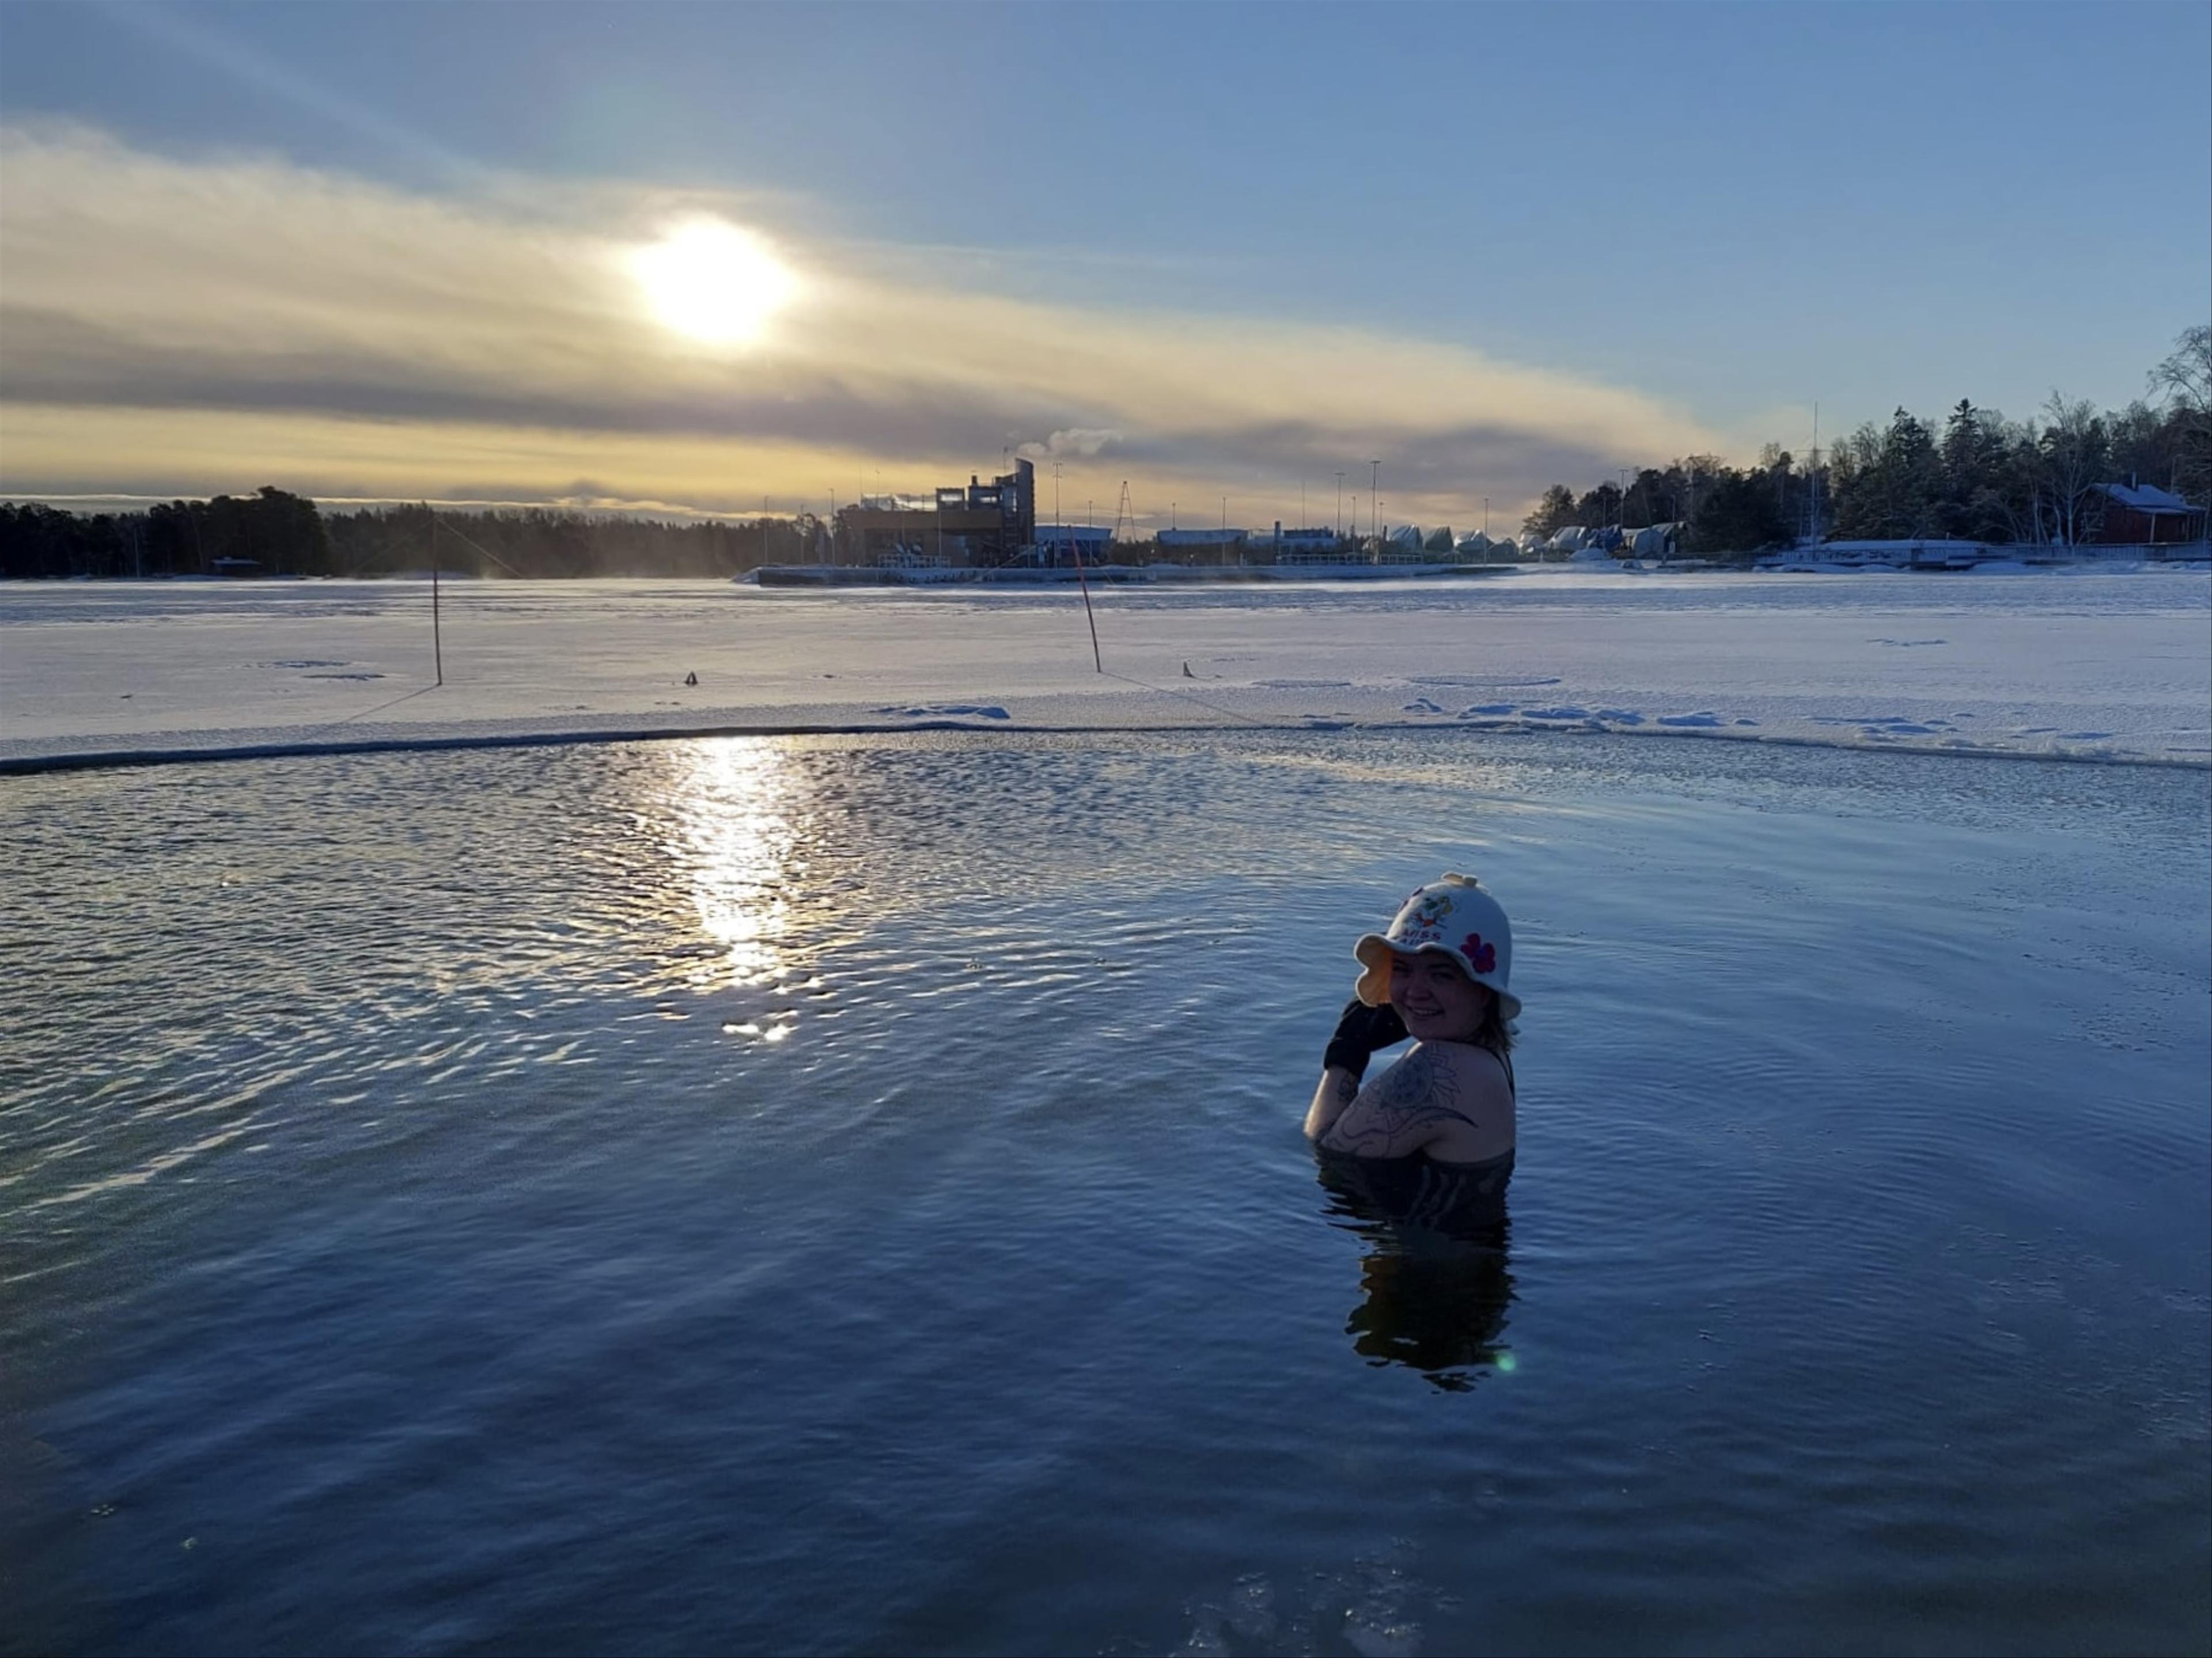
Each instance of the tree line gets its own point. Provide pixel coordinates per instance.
(1978, 476)
(272, 532)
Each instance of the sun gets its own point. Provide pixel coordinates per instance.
(713, 282)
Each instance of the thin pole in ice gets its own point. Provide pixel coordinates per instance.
(437, 633)
(1083, 581)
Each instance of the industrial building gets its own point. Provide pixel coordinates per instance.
(975, 525)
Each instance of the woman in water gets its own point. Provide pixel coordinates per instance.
(1438, 975)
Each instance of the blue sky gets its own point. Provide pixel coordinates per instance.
(1620, 232)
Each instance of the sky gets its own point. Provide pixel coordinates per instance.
(696, 259)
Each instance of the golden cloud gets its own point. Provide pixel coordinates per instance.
(174, 325)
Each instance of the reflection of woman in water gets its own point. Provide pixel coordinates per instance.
(1439, 976)
(1419, 1159)
(1437, 1308)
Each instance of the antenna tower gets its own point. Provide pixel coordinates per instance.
(1124, 514)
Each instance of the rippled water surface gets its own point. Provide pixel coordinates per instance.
(845, 1194)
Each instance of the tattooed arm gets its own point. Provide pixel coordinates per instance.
(1338, 1089)
(1449, 1101)
(1361, 1032)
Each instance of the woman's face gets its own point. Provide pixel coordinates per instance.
(1437, 1001)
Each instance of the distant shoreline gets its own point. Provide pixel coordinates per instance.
(824, 578)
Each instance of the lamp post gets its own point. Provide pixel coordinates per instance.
(1374, 507)
(1340, 506)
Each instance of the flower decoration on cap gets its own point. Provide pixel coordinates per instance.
(1481, 956)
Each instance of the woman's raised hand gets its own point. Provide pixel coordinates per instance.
(1359, 1033)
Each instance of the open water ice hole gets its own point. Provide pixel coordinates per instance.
(830, 1195)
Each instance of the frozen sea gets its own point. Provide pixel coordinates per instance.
(2078, 663)
(843, 1193)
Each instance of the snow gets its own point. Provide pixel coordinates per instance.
(2060, 664)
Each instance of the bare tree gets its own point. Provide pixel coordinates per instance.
(2072, 449)
(2187, 375)
(2185, 379)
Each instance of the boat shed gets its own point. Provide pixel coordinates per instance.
(2144, 515)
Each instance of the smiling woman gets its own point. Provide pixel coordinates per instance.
(713, 282)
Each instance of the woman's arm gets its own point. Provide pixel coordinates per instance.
(1337, 1089)
(1360, 1032)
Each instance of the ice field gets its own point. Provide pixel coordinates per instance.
(2064, 664)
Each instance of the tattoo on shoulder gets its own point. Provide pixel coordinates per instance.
(1395, 1114)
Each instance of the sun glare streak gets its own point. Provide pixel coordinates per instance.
(713, 282)
(743, 853)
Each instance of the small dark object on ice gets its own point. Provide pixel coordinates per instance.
(690, 678)
(1187, 673)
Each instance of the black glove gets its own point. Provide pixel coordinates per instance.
(1359, 1033)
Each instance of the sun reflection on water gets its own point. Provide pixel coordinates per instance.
(734, 804)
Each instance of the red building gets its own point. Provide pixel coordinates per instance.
(2144, 515)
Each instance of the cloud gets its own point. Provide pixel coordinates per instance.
(1084, 443)
(189, 325)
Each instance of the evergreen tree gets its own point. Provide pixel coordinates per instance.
(1886, 480)
(1738, 512)
(1601, 507)
(1555, 510)
(1962, 465)
(1650, 500)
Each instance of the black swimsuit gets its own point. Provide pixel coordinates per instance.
(1418, 1190)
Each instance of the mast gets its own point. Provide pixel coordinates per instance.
(1813, 482)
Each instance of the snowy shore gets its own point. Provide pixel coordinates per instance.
(2089, 666)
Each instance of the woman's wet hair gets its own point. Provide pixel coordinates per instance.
(1494, 1033)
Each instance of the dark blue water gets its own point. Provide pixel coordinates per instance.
(832, 1195)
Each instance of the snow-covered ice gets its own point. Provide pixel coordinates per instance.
(2072, 664)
